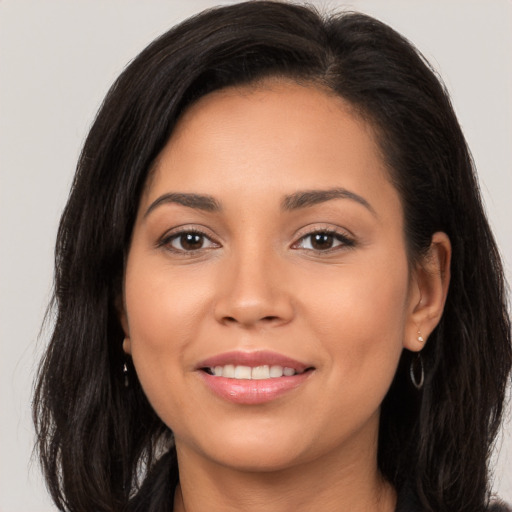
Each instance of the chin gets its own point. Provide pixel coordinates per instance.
(252, 451)
(256, 460)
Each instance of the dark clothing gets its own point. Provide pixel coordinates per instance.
(157, 492)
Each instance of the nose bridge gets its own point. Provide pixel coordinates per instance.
(251, 289)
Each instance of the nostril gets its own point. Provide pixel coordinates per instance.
(269, 318)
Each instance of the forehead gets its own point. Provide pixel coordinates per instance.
(277, 110)
(269, 136)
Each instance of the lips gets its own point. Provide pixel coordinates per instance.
(252, 377)
(253, 359)
(255, 373)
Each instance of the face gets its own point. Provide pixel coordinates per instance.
(267, 288)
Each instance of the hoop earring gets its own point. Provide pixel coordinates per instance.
(125, 374)
(412, 372)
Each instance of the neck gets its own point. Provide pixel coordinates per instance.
(332, 483)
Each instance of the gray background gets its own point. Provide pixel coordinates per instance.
(57, 60)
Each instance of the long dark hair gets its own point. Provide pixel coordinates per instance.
(101, 445)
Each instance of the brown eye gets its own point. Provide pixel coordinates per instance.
(324, 241)
(189, 241)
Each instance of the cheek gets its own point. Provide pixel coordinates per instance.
(162, 308)
(164, 315)
(359, 317)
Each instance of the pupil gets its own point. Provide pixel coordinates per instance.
(322, 241)
(191, 241)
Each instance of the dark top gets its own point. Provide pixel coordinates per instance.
(160, 485)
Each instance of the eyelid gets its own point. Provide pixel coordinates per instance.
(346, 238)
(165, 240)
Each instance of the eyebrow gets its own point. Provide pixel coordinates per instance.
(197, 201)
(306, 198)
(295, 201)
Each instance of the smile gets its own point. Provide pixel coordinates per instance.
(231, 371)
(250, 378)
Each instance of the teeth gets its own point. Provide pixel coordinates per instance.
(242, 372)
(260, 372)
(276, 371)
(246, 372)
(228, 371)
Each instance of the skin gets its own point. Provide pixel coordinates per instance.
(256, 281)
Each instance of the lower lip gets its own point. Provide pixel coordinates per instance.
(251, 392)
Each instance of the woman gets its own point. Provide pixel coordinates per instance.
(276, 286)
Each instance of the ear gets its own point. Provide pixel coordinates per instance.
(123, 319)
(429, 288)
(127, 346)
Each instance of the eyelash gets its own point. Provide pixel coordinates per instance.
(346, 242)
(168, 239)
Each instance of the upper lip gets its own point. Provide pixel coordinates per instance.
(253, 359)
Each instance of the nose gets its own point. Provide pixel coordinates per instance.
(254, 291)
